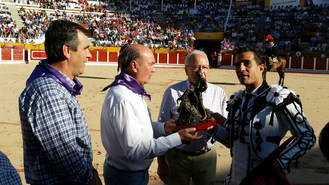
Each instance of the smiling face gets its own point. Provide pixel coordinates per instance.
(78, 57)
(248, 71)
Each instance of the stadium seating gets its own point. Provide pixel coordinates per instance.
(173, 23)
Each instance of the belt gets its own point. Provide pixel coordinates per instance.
(127, 171)
(194, 153)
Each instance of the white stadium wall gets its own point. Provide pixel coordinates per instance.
(283, 3)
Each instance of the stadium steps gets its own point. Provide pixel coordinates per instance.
(261, 24)
(14, 14)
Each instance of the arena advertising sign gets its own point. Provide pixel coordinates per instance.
(280, 3)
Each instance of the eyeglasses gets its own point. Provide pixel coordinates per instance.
(197, 68)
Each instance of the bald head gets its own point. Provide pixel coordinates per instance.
(137, 61)
(130, 53)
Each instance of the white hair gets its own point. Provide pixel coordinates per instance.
(192, 53)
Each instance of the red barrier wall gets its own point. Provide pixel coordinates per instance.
(296, 62)
(181, 57)
(102, 56)
(18, 53)
(321, 63)
(163, 58)
(113, 57)
(308, 63)
(105, 56)
(6, 53)
(173, 58)
(37, 54)
(226, 59)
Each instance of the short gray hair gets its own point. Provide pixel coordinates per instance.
(192, 53)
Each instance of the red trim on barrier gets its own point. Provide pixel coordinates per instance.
(18, 53)
(113, 56)
(173, 58)
(296, 62)
(6, 53)
(38, 55)
(176, 57)
(181, 57)
(308, 63)
(163, 58)
(102, 56)
(321, 63)
(226, 59)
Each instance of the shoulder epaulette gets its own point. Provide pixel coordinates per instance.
(280, 96)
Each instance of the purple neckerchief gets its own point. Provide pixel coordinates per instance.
(45, 70)
(129, 82)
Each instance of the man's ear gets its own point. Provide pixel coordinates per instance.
(185, 70)
(262, 67)
(134, 66)
(66, 51)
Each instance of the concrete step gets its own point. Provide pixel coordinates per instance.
(14, 14)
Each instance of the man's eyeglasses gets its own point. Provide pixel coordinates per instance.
(197, 68)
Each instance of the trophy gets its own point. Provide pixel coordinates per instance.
(191, 110)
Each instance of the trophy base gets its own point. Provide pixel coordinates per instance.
(200, 126)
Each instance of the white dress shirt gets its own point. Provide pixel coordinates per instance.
(128, 134)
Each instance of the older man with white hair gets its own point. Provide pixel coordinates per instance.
(196, 161)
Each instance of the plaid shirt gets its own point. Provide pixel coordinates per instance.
(56, 142)
(8, 174)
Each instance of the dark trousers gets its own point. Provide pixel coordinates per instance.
(113, 176)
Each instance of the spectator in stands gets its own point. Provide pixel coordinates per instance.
(130, 138)
(226, 44)
(56, 142)
(195, 161)
(8, 174)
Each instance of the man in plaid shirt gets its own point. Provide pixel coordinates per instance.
(56, 142)
(8, 174)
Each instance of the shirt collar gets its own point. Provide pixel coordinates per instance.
(43, 69)
(259, 90)
(129, 82)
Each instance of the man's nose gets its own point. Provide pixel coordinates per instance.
(153, 69)
(241, 67)
(88, 53)
(203, 73)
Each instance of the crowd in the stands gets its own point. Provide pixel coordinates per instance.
(173, 23)
(8, 28)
